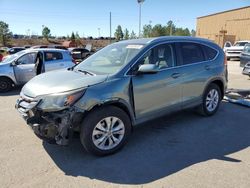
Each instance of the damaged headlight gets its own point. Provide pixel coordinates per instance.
(59, 101)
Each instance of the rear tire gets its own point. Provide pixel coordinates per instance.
(5, 85)
(105, 130)
(211, 100)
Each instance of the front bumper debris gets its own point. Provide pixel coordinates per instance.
(238, 96)
(54, 127)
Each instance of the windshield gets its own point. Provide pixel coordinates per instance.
(110, 59)
(10, 58)
(240, 43)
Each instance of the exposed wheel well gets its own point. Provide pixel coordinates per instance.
(116, 104)
(221, 86)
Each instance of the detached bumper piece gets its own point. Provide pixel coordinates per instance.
(238, 96)
(52, 127)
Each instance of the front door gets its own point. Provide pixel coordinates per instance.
(25, 68)
(159, 92)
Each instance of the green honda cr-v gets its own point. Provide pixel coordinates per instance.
(122, 85)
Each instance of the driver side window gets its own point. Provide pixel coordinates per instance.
(27, 59)
(162, 56)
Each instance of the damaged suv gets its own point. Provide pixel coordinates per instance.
(123, 85)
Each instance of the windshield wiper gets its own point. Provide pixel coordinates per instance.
(86, 72)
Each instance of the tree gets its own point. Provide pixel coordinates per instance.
(193, 33)
(126, 34)
(118, 33)
(46, 33)
(132, 35)
(78, 39)
(73, 37)
(5, 34)
(158, 30)
(147, 30)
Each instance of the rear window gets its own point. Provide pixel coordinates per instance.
(210, 52)
(50, 56)
(191, 53)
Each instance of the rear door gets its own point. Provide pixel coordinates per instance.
(159, 92)
(196, 69)
(53, 60)
(25, 67)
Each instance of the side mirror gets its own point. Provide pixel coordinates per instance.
(13, 63)
(148, 69)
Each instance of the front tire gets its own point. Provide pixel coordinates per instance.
(105, 130)
(211, 100)
(5, 85)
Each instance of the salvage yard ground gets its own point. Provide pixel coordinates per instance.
(181, 150)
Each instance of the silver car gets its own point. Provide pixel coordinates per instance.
(19, 68)
(123, 85)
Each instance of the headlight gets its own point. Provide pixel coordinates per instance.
(60, 101)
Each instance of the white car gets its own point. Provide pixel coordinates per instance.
(235, 50)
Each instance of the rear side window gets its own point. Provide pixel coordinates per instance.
(247, 49)
(50, 56)
(210, 52)
(191, 53)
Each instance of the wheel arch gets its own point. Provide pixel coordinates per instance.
(219, 82)
(7, 77)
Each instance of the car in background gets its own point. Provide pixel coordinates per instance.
(246, 69)
(19, 68)
(245, 55)
(123, 85)
(50, 46)
(3, 53)
(79, 54)
(235, 50)
(15, 50)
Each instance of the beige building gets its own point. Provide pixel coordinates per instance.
(231, 25)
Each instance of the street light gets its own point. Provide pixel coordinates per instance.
(140, 3)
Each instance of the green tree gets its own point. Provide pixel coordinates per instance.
(46, 33)
(193, 33)
(78, 39)
(126, 34)
(118, 33)
(158, 30)
(170, 28)
(147, 30)
(73, 37)
(5, 33)
(132, 35)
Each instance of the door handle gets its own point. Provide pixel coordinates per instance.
(207, 67)
(30, 70)
(176, 75)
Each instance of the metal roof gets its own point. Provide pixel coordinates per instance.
(223, 12)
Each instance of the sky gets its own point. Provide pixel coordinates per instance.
(86, 16)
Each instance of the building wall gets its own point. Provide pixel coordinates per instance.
(230, 25)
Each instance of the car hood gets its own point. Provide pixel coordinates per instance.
(60, 81)
(236, 48)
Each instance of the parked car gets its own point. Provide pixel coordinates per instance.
(246, 69)
(235, 50)
(79, 54)
(15, 50)
(245, 55)
(3, 53)
(19, 68)
(123, 85)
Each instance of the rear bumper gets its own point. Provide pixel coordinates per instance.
(246, 71)
(233, 54)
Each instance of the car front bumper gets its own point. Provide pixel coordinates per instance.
(50, 126)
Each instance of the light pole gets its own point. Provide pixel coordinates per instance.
(99, 32)
(140, 3)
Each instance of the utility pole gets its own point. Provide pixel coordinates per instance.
(140, 3)
(110, 32)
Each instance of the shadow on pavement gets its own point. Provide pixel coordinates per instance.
(14, 91)
(161, 147)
